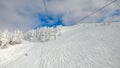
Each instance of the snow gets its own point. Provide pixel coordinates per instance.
(80, 46)
(14, 52)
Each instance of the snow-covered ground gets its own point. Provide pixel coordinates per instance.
(80, 46)
(12, 53)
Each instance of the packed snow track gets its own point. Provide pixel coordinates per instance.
(80, 46)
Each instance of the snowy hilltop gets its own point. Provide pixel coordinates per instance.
(93, 45)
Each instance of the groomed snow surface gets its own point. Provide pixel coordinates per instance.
(80, 46)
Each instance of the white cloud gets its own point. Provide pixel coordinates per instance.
(74, 10)
(21, 14)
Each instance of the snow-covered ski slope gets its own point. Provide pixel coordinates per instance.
(80, 46)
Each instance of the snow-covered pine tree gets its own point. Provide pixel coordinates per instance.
(31, 35)
(16, 38)
(52, 33)
(4, 38)
(42, 34)
(28, 35)
(59, 30)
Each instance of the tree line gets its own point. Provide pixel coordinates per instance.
(40, 34)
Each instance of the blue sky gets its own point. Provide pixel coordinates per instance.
(30, 14)
(116, 13)
(49, 20)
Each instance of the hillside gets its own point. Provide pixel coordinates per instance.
(80, 46)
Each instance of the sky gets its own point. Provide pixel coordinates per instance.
(30, 14)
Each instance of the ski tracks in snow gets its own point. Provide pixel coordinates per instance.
(56, 58)
(77, 48)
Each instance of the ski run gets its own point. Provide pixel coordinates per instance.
(84, 45)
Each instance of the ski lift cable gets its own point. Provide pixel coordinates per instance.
(118, 3)
(96, 11)
(45, 5)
